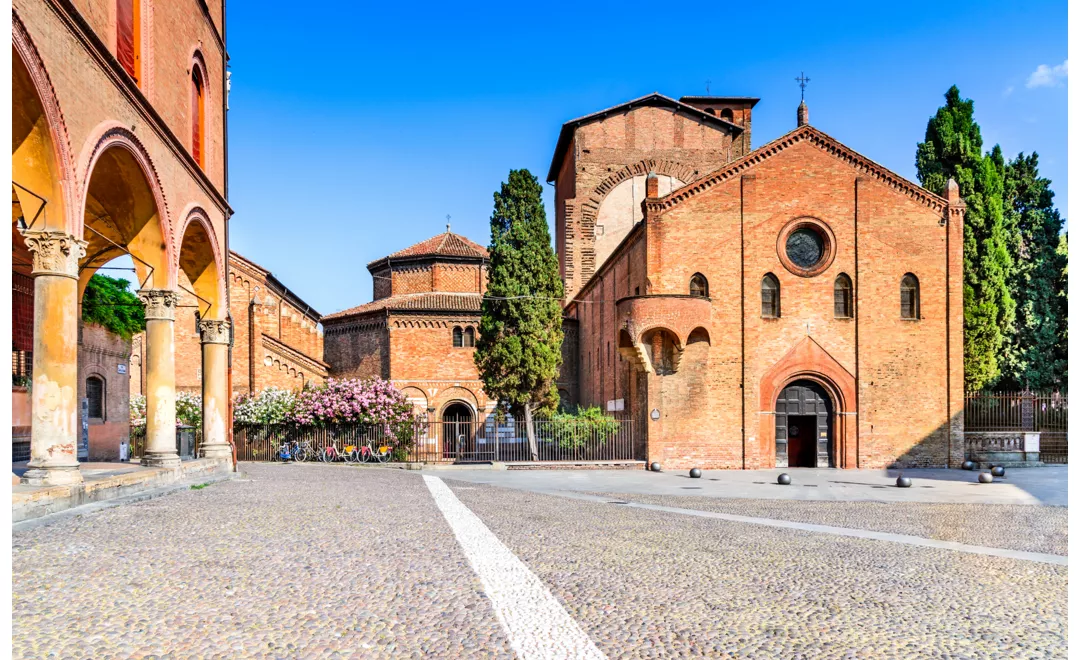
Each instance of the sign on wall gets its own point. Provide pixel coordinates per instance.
(121, 368)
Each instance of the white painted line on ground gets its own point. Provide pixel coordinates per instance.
(1059, 560)
(534, 620)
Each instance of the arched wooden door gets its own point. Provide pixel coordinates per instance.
(804, 426)
(457, 430)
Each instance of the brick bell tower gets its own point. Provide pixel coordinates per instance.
(601, 162)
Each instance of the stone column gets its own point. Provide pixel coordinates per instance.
(160, 450)
(215, 390)
(54, 404)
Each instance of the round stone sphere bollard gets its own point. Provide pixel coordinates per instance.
(997, 471)
(695, 473)
(986, 478)
(903, 482)
(968, 465)
(784, 479)
(655, 467)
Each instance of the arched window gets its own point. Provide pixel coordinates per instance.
(710, 111)
(470, 337)
(198, 115)
(770, 296)
(909, 297)
(459, 337)
(95, 395)
(699, 286)
(842, 307)
(727, 114)
(128, 37)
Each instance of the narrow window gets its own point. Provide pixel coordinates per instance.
(459, 340)
(197, 115)
(842, 297)
(727, 114)
(909, 297)
(127, 36)
(95, 395)
(470, 337)
(770, 296)
(699, 286)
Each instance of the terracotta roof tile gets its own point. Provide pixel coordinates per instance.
(445, 244)
(451, 302)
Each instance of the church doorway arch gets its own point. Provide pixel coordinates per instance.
(457, 430)
(804, 428)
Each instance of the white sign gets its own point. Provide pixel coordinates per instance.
(616, 405)
(121, 368)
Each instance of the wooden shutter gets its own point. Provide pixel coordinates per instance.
(95, 394)
(196, 116)
(125, 35)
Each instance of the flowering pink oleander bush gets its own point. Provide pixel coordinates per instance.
(351, 400)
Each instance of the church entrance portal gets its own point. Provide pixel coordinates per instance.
(457, 430)
(804, 426)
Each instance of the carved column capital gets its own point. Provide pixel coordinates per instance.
(55, 252)
(214, 332)
(160, 304)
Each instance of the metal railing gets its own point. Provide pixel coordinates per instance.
(453, 441)
(1016, 411)
(137, 440)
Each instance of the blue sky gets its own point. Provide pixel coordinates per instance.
(355, 129)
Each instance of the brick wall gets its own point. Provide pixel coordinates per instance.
(730, 234)
(358, 348)
(609, 151)
(100, 355)
(422, 348)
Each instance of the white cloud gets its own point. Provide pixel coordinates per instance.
(1047, 76)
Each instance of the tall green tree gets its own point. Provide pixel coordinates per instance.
(953, 149)
(1032, 358)
(519, 349)
(108, 303)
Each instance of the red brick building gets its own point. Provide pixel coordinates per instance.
(277, 340)
(119, 147)
(419, 332)
(792, 305)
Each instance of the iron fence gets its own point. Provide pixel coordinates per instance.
(137, 440)
(452, 441)
(1016, 411)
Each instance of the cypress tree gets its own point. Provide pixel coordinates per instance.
(519, 349)
(1032, 357)
(953, 149)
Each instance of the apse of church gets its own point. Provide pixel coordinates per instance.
(793, 305)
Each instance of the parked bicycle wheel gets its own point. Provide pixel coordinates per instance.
(328, 455)
(351, 455)
(382, 454)
(302, 454)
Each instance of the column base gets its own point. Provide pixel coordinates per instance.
(59, 475)
(166, 460)
(218, 452)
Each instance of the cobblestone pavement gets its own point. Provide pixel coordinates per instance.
(321, 561)
(1015, 527)
(300, 561)
(646, 584)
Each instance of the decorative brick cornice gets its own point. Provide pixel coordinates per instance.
(802, 134)
(55, 252)
(160, 304)
(283, 350)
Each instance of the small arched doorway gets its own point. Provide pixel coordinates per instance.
(457, 427)
(804, 433)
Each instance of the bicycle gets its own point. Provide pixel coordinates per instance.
(371, 454)
(302, 451)
(331, 453)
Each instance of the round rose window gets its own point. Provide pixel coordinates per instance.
(805, 247)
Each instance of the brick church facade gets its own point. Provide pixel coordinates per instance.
(791, 305)
(419, 332)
